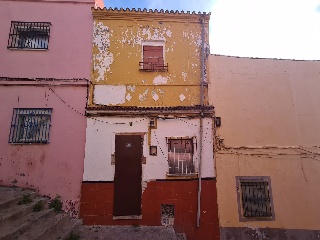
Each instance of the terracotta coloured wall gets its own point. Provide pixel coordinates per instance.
(270, 108)
(97, 206)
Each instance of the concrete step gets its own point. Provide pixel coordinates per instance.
(13, 230)
(12, 196)
(17, 211)
(127, 233)
(65, 231)
(45, 229)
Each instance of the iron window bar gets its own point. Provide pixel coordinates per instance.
(29, 35)
(153, 67)
(30, 125)
(180, 157)
(255, 198)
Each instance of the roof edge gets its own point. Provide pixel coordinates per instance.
(151, 11)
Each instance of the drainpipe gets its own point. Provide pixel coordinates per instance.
(201, 119)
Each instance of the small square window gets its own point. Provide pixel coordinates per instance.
(153, 59)
(180, 157)
(254, 199)
(29, 35)
(30, 125)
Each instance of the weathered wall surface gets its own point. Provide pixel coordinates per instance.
(270, 113)
(69, 52)
(100, 139)
(118, 40)
(55, 168)
(97, 204)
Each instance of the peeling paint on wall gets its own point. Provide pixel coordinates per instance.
(128, 97)
(125, 39)
(184, 76)
(160, 80)
(109, 94)
(131, 88)
(182, 97)
(71, 207)
(144, 33)
(104, 58)
(144, 185)
(143, 97)
(155, 96)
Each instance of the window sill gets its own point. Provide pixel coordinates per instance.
(153, 70)
(182, 176)
(256, 219)
(28, 49)
(28, 143)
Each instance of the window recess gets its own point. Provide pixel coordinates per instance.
(180, 157)
(153, 59)
(30, 125)
(29, 35)
(254, 199)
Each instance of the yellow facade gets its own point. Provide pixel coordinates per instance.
(269, 112)
(118, 40)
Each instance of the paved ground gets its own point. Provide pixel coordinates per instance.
(127, 233)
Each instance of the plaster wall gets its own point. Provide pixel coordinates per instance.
(55, 168)
(269, 108)
(70, 42)
(100, 144)
(118, 40)
(266, 101)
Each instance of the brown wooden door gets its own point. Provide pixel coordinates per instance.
(127, 179)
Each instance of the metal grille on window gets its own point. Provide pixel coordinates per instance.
(181, 156)
(30, 125)
(255, 199)
(29, 35)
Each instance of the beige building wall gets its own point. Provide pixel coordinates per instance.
(270, 114)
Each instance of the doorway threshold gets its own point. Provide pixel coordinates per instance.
(127, 217)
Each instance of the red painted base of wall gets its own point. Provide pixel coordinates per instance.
(96, 206)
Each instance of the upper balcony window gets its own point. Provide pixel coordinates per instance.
(153, 59)
(29, 35)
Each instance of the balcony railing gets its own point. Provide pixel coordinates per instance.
(153, 67)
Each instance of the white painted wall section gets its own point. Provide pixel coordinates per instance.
(101, 136)
(109, 94)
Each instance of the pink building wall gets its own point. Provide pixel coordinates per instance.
(69, 53)
(55, 168)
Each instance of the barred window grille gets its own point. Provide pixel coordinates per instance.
(255, 198)
(180, 156)
(29, 35)
(30, 125)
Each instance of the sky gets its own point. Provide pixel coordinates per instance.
(286, 29)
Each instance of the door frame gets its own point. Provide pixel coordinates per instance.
(142, 135)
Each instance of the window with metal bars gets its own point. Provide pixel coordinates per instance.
(29, 35)
(30, 125)
(180, 156)
(255, 198)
